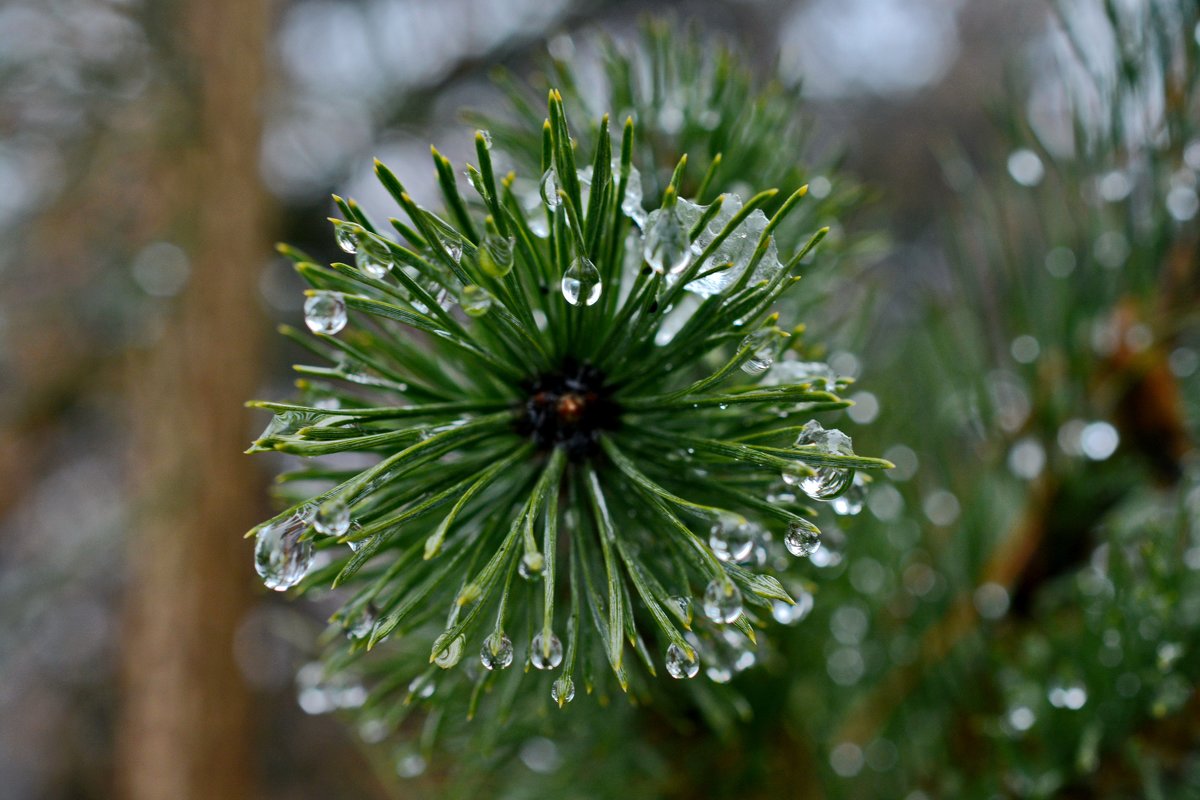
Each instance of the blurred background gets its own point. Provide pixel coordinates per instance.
(1015, 613)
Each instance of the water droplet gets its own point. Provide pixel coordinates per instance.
(802, 538)
(762, 352)
(826, 482)
(346, 234)
(525, 572)
(453, 249)
(373, 258)
(581, 283)
(685, 607)
(850, 502)
(545, 654)
(722, 601)
(666, 247)
(364, 624)
(732, 538)
(497, 651)
(791, 613)
(549, 188)
(486, 135)
(739, 650)
(333, 517)
(680, 663)
(814, 373)
(563, 691)
(496, 254)
(533, 562)
(281, 557)
(476, 301)
(452, 653)
(325, 312)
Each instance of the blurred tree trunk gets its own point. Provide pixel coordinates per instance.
(185, 724)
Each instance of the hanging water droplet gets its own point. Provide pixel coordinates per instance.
(364, 624)
(680, 663)
(685, 607)
(333, 517)
(762, 352)
(791, 613)
(850, 502)
(563, 691)
(476, 300)
(453, 248)
(740, 650)
(525, 572)
(325, 312)
(486, 135)
(281, 557)
(802, 538)
(497, 651)
(549, 189)
(732, 538)
(545, 654)
(666, 247)
(346, 234)
(827, 481)
(722, 601)
(452, 653)
(532, 562)
(373, 258)
(581, 283)
(496, 254)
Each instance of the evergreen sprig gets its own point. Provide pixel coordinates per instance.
(688, 91)
(596, 434)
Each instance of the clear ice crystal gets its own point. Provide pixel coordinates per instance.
(666, 247)
(813, 373)
(734, 254)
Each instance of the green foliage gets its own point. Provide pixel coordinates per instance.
(689, 93)
(583, 446)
